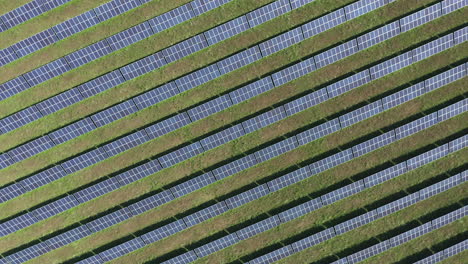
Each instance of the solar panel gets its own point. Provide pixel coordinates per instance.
(239, 60)
(216, 245)
(55, 207)
(76, 24)
(151, 202)
(60, 101)
(247, 196)
(449, 6)
(101, 83)
(268, 12)
(427, 157)
(11, 191)
(235, 167)
(343, 192)
(42, 178)
(72, 131)
(84, 160)
(439, 187)
(209, 108)
(31, 148)
(457, 248)
(143, 66)
(125, 5)
(163, 231)
(114, 113)
(435, 258)
(420, 17)
(289, 179)
(17, 223)
(403, 95)
(226, 30)
(171, 18)
(68, 237)
(368, 252)
(373, 144)
(273, 256)
(13, 87)
(28, 253)
(5, 160)
(193, 184)
(181, 259)
(391, 65)
(47, 72)
(433, 47)
(313, 239)
(106, 11)
(293, 72)
(411, 234)
(251, 90)
(356, 222)
(445, 78)
(348, 84)
(379, 35)
(323, 23)
(19, 119)
(126, 143)
(281, 42)
(264, 119)
(450, 217)
(202, 6)
(458, 143)
(110, 219)
(156, 95)
(453, 110)
(306, 101)
(97, 190)
(96, 259)
(318, 131)
(461, 35)
(332, 161)
(167, 125)
(205, 214)
(398, 204)
(127, 37)
(341, 261)
(185, 48)
(139, 172)
(196, 78)
(276, 149)
(334, 54)
(122, 249)
(21, 14)
(7, 55)
(300, 210)
(222, 137)
(360, 114)
(87, 54)
(258, 227)
(181, 154)
(385, 175)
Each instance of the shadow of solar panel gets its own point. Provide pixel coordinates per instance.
(193, 184)
(331, 161)
(323, 23)
(293, 72)
(84, 160)
(97, 190)
(420, 17)
(305, 102)
(268, 12)
(108, 220)
(87, 54)
(216, 245)
(259, 227)
(222, 137)
(247, 196)
(334, 54)
(184, 258)
(19, 119)
(127, 37)
(60, 101)
(76, 24)
(13, 87)
(167, 125)
(196, 78)
(72, 131)
(205, 214)
(341, 261)
(143, 66)
(180, 155)
(300, 210)
(239, 60)
(264, 119)
(31, 148)
(139, 172)
(209, 108)
(273, 256)
(115, 112)
(289, 179)
(171, 18)
(185, 48)
(251, 90)
(343, 192)
(226, 30)
(151, 202)
(122, 249)
(356, 222)
(313, 240)
(235, 167)
(202, 6)
(163, 231)
(276, 149)
(47, 72)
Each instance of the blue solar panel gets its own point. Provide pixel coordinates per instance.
(72, 131)
(96, 259)
(171, 18)
(125, 5)
(31, 148)
(343, 192)
(398, 204)
(226, 30)
(139, 172)
(449, 6)
(416, 126)
(182, 259)
(5, 160)
(239, 60)
(411, 234)
(289, 179)
(163, 231)
(76, 24)
(276, 149)
(111, 219)
(193, 184)
(251, 90)
(433, 47)
(114, 113)
(445, 78)
(202, 6)
(97, 190)
(273, 256)
(28, 253)
(7, 55)
(125, 143)
(216, 245)
(300, 210)
(222, 137)
(391, 65)
(122, 249)
(439, 187)
(331, 161)
(181, 154)
(87, 54)
(235, 167)
(151, 202)
(305, 102)
(21, 14)
(43, 178)
(318, 131)
(313, 240)
(264, 119)
(143, 66)
(461, 35)
(205, 214)
(101, 83)
(456, 249)
(361, 7)
(385, 175)
(348, 83)
(17, 223)
(247, 196)
(450, 217)
(68, 237)
(209, 108)
(458, 143)
(427, 157)
(268, 12)
(403, 96)
(379, 35)
(293, 72)
(60, 101)
(199, 77)
(47, 5)
(420, 17)
(185, 48)
(453, 110)
(47, 72)
(356, 222)
(106, 11)
(19, 119)
(258, 227)
(324, 23)
(374, 143)
(281, 42)
(11, 191)
(84, 160)
(167, 125)
(360, 114)
(435, 258)
(368, 252)
(55, 207)
(156, 95)
(13, 87)
(127, 37)
(334, 54)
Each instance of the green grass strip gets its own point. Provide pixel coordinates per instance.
(460, 258)
(423, 243)
(8, 5)
(380, 226)
(230, 184)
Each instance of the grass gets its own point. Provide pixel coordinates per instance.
(185, 100)
(460, 258)
(228, 185)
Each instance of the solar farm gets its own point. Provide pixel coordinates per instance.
(233, 131)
